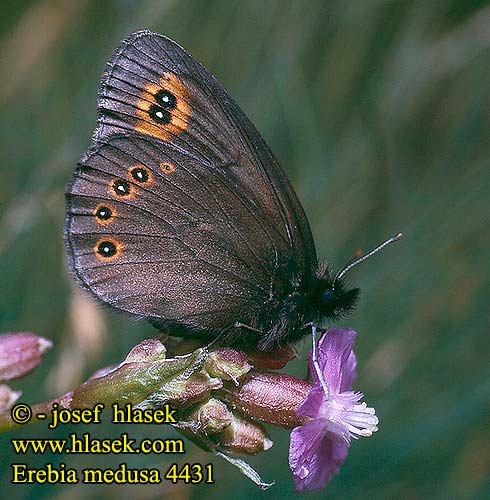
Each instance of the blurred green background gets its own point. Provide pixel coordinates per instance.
(379, 113)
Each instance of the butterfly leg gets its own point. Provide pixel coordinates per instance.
(248, 327)
(314, 358)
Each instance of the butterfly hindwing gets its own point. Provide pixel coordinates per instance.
(175, 248)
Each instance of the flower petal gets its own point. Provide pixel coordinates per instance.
(317, 450)
(349, 373)
(336, 359)
(312, 404)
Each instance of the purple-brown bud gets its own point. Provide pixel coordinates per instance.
(228, 364)
(182, 393)
(20, 353)
(242, 437)
(211, 417)
(270, 397)
(147, 350)
(272, 360)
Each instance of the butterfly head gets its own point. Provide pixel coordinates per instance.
(335, 299)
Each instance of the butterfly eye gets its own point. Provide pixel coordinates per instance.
(140, 174)
(166, 99)
(328, 296)
(121, 188)
(104, 214)
(107, 249)
(167, 168)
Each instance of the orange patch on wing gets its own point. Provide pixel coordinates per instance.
(108, 249)
(167, 168)
(178, 115)
(104, 214)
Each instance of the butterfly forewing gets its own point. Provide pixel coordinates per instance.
(203, 120)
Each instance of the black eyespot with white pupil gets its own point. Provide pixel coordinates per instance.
(107, 249)
(159, 114)
(166, 99)
(103, 213)
(121, 188)
(140, 174)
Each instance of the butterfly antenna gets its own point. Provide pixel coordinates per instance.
(354, 262)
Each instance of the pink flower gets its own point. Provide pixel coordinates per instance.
(319, 447)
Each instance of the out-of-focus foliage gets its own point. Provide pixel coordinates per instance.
(378, 112)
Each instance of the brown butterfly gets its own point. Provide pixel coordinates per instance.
(180, 214)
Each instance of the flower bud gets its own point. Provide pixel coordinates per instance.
(148, 350)
(8, 397)
(273, 360)
(211, 417)
(179, 381)
(270, 397)
(186, 390)
(227, 364)
(243, 437)
(20, 353)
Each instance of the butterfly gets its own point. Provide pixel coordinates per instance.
(180, 214)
